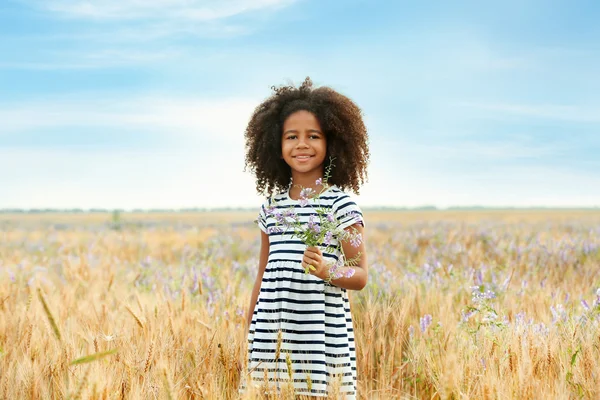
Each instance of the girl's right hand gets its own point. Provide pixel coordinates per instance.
(313, 257)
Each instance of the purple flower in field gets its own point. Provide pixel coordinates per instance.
(467, 315)
(585, 305)
(319, 182)
(541, 329)
(559, 314)
(479, 297)
(424, 322)
(303, 202)
(478, 278)
(411, 331)
(349, 273)
(328, 238)
(195, 282)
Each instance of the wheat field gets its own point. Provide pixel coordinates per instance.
(459, 305)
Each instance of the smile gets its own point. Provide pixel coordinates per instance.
(302, 157)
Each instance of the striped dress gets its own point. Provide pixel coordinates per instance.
(312, 317)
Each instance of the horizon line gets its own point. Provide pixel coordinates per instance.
(99, 210)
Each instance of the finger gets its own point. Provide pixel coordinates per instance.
(310, 260)
(314, 249)
(308, 267)
(312, 256)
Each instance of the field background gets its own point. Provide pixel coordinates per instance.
(460, 304)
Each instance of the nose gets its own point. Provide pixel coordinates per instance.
(302, 143)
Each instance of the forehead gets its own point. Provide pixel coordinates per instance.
(301, 118)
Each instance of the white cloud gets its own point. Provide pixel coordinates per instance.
(575, 113)
(186, 10)
(222, 119)
(170, 178)
(102, 58)
(508, 149)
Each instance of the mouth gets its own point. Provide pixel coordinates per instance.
(302, 157)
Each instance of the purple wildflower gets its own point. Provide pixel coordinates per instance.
(424, 322)
(290, 213)
(350, 273)
(270, 210)
(195, 282)
(328, 238)
(466, 316)
(585, 305)
(319, 182)
(335, 269)
(478, 278)
(356, 240)
(306, 193)
(411, 331)
(279, 217)
(274, 229)
(313, 226)
(330, 217)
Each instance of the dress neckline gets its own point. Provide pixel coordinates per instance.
(288, 197)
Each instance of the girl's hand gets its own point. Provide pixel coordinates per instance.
(313, 257)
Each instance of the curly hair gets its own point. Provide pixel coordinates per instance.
(340, 119)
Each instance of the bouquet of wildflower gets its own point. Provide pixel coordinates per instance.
(321, 231)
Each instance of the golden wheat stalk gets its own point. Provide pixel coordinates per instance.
(167, 384)
(149, 357)
(134, 315)
(93, 357)
(82, 384)
(49, 315)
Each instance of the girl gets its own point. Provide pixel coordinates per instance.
(300, 325)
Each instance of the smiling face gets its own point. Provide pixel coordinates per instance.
(303, 145)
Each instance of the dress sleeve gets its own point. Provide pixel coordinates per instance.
(262, 217)
(347, 212)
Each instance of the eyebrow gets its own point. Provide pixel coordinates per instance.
(296, 131)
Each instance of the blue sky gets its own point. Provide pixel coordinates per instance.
(143, 104)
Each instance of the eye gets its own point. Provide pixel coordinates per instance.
(291, 137)
(315, 136)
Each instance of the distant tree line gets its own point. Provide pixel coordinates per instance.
(247, 209)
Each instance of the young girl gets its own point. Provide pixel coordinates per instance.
(297, 320)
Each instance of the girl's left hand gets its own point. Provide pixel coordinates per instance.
(314, 257)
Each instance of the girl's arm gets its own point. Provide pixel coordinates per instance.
(262, 264)
(359, 280)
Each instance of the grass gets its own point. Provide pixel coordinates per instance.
(156, 309)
